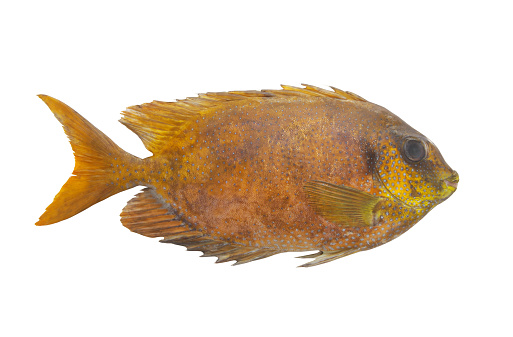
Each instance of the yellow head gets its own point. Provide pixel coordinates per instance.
(411, 167)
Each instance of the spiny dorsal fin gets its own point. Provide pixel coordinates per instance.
(146, 215)
(155, 122)
(342, 205)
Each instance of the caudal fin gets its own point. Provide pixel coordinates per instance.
(95, 155)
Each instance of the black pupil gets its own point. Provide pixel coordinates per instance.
(415, 150)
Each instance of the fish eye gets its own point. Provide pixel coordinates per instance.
(414, 149)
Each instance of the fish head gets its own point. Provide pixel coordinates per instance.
(412, 169)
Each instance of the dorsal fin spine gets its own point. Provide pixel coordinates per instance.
(157, 121)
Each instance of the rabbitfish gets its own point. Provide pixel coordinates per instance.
(243, 175)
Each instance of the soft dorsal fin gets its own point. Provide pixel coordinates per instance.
(155, 122)
(146, 215)
(342, 205)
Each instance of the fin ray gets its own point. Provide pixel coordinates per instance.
(145, 214)
(310, 256)
(94, 154)
(155, 122)
(328, 256)
(343, 205)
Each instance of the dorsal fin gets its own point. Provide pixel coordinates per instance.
(146, 215)
(155, 122)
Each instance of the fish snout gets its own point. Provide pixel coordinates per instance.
(452, 181)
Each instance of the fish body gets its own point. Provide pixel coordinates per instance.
(246, 175)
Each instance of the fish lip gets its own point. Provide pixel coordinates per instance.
(452, 181)
(451, 184)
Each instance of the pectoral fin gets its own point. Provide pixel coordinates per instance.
(342, 205)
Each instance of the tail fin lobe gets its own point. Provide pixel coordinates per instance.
(95, 155)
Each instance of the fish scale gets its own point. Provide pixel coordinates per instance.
(244, 175)
(263, 179)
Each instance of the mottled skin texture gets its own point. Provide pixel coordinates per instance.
(237, 173)
(245, 175)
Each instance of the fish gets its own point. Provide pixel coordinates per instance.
(244, 175)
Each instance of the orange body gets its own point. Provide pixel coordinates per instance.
(230, 174)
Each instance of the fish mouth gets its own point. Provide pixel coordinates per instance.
(452, 181)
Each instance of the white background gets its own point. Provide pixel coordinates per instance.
(442, 66)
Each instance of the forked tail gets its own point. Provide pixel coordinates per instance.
(96, 157)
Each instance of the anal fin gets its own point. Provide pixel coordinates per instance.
(146, 215)
(223, 250)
